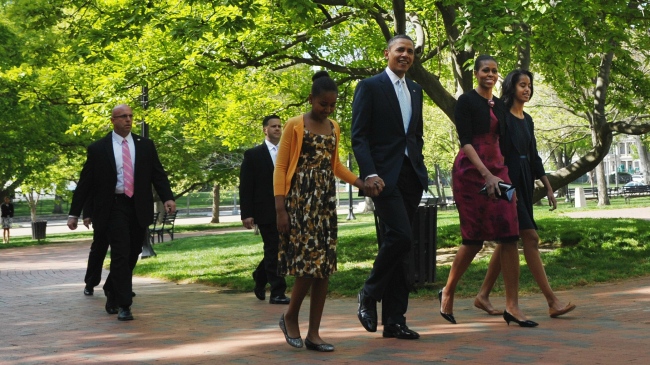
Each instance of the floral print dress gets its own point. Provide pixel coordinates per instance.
(309, 249)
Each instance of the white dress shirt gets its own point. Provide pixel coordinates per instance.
(273, 150)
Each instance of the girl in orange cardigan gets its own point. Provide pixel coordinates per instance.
(305, 201)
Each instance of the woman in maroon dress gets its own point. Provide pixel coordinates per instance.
(479, 119)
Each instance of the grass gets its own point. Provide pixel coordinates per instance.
(586, 251)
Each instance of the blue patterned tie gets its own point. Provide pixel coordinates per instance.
(404, 105)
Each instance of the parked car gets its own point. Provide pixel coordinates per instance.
(623, 177)
(638, 178)
(634, 183)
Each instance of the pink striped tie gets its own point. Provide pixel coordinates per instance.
(127, 168)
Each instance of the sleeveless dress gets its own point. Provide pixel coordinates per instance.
(483, 218)
(309, 249)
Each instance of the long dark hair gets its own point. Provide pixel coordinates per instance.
(509, 87)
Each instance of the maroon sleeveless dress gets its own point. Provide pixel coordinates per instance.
(483, 218)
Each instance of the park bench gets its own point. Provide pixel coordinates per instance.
(635, 191)
(166, 226)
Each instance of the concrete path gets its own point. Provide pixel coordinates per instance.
(46, 319)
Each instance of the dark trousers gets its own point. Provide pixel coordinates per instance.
(125, 237)
(388, 279)
(267, 270)
(96, 257)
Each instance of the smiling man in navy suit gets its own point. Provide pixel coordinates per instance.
(257, 203)
(387, 143)
(117, 177)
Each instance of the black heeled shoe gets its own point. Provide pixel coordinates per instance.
(448, 317)
(509, 317)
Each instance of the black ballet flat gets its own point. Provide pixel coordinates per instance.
(449, 317)
(509, 317)
(322, 347)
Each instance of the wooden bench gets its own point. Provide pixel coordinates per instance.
(635, 191)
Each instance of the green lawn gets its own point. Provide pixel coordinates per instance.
(586, 251)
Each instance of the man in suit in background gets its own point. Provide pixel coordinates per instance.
(117, 177)
(387, 143)
(257, 205)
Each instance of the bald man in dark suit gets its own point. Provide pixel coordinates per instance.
(118, 174)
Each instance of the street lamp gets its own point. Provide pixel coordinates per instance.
(350, 210)
(147, 249)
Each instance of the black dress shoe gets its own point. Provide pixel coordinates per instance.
(367, 312)
(260, 292)
(125, 314)
(111, 307)
(89, 290)
(280, 299)
(400, 331)
(323, 347)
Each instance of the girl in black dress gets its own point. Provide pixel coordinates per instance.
(519, 148)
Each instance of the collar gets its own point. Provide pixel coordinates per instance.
(118, 139)
(269, 145)
(393, 77)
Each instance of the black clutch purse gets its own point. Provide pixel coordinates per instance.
(506, 190)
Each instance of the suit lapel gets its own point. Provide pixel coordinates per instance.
(139, 153)
(268, 161)
(108, 147)
(389, 90)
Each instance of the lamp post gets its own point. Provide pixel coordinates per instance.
(147, 249)
(350, 210)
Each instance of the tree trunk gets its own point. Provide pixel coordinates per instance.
(58, 208)
(601, 137)
(369, 206)
(216, 199)
(643, 158)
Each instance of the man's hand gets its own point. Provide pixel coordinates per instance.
(170, 206)
(249, 223)
(373, 186)
(88, 222)
(72, 223)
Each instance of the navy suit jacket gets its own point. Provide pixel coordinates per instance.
(256, 197)
(378, 136)
(99, 177)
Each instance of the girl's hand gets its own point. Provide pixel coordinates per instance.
(551, 200)
(283, 221)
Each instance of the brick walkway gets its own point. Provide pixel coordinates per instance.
(46, 319)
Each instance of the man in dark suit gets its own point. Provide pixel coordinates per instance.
(387, 143)
(117, 176)
(257, 205)
(96, 256)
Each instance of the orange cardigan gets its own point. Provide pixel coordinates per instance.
(289, 152)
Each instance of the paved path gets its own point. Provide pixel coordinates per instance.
(46, 319)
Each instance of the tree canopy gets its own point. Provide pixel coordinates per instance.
(214, 69)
